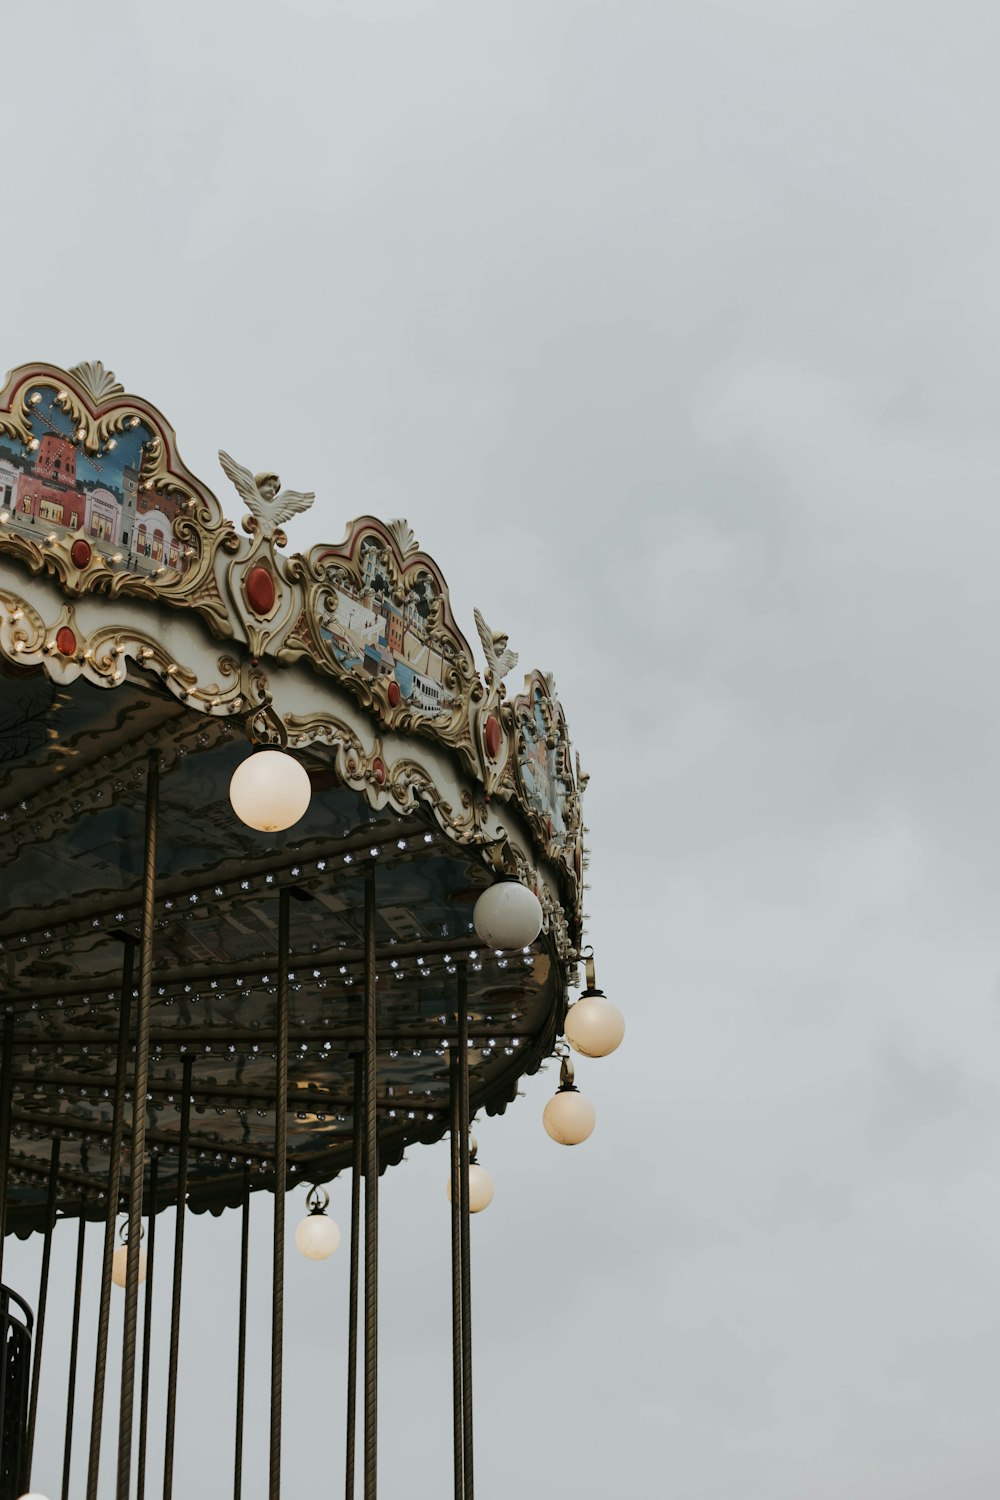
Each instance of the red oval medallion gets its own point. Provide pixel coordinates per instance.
(394, 694)
(492, 737)
(260, 591)
(65, 641)
(80, 553)
(378, 771)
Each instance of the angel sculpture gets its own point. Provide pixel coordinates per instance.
(499, 661)
(260, 492)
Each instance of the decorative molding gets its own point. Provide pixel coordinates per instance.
(99, 383)
(94, 495)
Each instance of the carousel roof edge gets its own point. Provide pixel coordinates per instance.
(95, 498)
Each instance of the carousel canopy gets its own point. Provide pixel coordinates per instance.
(141, 631)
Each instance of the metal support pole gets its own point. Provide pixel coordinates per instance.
(178, 1280)
(371, 1195)
(43, 1297)
(74, 1348)
(147, 1331)
(458, 1423)
(114, 1184)
(137, 1163)
(241, 1353)
(6, 1100)
(463, 1096)
(6, 1095)
(357, 1165)
(280, 1181)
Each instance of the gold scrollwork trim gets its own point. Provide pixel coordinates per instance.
(400, 784)
(99, 409)
(403, 568)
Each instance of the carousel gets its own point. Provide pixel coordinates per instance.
(287, 885)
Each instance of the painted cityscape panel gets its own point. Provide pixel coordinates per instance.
(543, 762)
(53, 484)
(368, 630)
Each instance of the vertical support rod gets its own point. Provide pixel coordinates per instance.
(74, 1349)
(241, 1351)
(371, 1195)
(280, 1182)
(43, 1297)
(357, 1165)
(178, 1282)
(458, 1422)
(140, 1088)
(147, 1330)
(114, 1187)
(6, 1100)
(468, 1488)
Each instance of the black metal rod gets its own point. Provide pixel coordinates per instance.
(43, 1297)
(137, 1163)
(357, 1166)
(280, 1182)
(6, 1094)
(241, 1352)
(178, 1281)
(74, 1349)
(468, 1488)
(147, 1331)
(6, 1099)
(114, 1186)
(371, 1195)
(458, 1423)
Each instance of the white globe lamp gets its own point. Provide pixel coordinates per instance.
(593, 1026)
(568, 1117)
(480, 1188)
(317, 1237)
(507, 915)
(119, 1266)
(270, 791)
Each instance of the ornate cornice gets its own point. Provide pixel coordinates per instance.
(94, 495)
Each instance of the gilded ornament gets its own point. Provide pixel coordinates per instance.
(270, 506)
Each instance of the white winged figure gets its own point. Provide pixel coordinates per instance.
(260, 492)
(499, 660)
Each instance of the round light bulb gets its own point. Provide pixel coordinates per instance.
(594, 1027)
(317, 1237)
(569, 1117)
(508, 915)
(119, 1266)
(270, 791)
(480, 1188)
(33, 1496)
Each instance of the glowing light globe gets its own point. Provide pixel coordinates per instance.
(317, 1237)
(594, 1027)
(270, 791)
(568, 1117)
(119, 1266)
(508, 915)
(480, 1188)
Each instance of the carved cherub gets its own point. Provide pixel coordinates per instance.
(499, 661)
(269, 505)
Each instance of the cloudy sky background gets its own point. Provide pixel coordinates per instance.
(674, 331)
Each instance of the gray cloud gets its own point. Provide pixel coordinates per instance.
(673, 333)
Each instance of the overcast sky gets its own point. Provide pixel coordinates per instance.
(673, 330)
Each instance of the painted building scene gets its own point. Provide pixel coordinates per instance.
(53, 483)
(543, 764)
(369, 631)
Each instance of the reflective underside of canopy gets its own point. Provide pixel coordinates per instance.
(73, 764)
